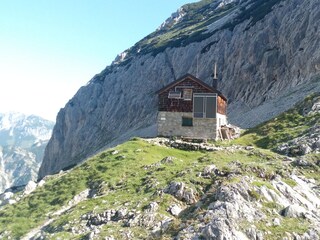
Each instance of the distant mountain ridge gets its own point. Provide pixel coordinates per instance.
(268, 59)
(22, 142)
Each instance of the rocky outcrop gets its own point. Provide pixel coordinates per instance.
(309, 141)
(90, 223)
(241, 204)
(181, 192)
(230, 211)
(266, 64)
(15, 194)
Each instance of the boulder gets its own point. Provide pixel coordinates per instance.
(276, 222)
(109, 238)
(175, 210)
(6, 196)
(152, 207)
(167, 160)
(294, 211)
(302, 163)
(161, 227)
(209, 170)
(30, 187)
(181, 192)
(41, 183)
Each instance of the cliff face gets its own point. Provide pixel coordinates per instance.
(268, 56)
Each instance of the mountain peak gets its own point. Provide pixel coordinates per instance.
(22, 142)
(173, 19)
(15, 125)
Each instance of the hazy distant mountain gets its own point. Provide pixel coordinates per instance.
(22, 142)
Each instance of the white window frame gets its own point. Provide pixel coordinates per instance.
(174, 94)
(204, 95)
(190, 98)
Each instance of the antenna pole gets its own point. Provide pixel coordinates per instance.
(197, 66)
(214, 77)
(215, 71)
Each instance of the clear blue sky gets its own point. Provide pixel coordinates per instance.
(50, 48)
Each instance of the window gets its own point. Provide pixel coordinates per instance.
(187, 94)
(187, 122)
(198, 107)
(204, 105)
(174, 94)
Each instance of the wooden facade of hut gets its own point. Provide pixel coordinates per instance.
(188, 107)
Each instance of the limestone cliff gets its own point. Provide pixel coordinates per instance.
(268, 56)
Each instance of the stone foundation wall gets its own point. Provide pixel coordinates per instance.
(170, 124)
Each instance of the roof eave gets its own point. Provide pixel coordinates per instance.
(194, 79)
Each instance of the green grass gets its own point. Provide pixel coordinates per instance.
(314, 158)
(264, 183)
(199, 16)
(271, 205)
(285, 127)
(129, 177)
(255, 195)
(289, 225)
(255, 12)
(192, 29)
(290, 182)
(31, 210)
(122, 176)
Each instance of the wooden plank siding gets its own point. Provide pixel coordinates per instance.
(167, 104)
(222, 106)
(180, 105)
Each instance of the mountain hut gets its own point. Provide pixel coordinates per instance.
(190, 108)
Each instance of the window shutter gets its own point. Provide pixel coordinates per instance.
(187, 94)
(187, 122)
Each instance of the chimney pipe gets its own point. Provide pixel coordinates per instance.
(215, 77)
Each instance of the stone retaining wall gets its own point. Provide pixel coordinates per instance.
(170, 124)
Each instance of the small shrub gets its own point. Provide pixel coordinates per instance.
(290, 182)
(271, 205)
(261, 183)
(103, 155)
(253, 194)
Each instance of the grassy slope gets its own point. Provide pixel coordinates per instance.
(194, 26)
(285, 127)
(128, 177)
(123, 177)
